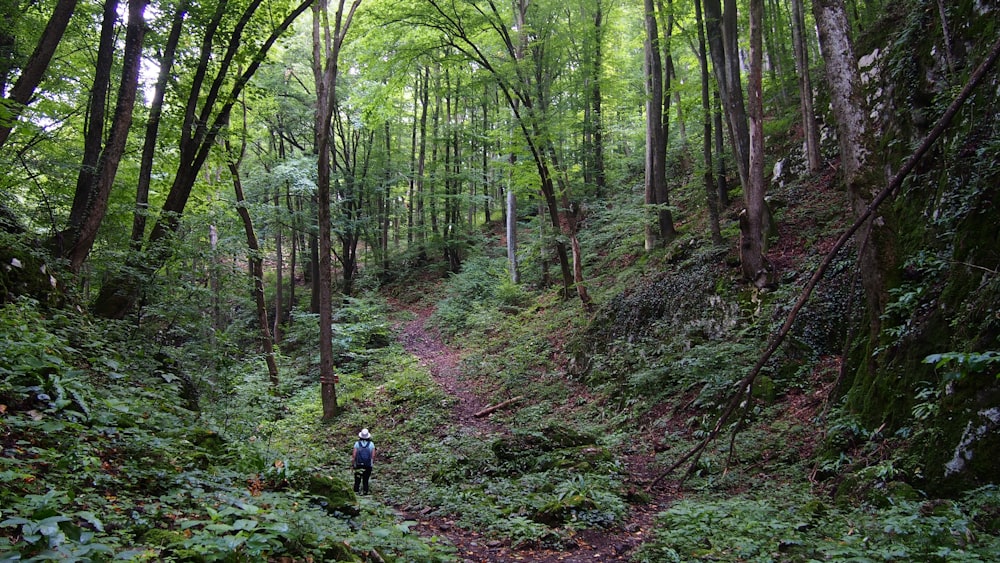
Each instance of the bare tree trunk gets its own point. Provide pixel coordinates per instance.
(720, 152)
(810, 130)
(153, 125)
(664, 218)
(655, 143)
(512, 267)
(255, 259)
(327, 51)
(723, 44)
(712, 196)
(752, 224)
(279, 273)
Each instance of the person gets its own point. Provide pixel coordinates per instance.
(362, 458)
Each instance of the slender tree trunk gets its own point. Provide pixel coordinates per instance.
(723, 43)
(279, 272)
(712, 196)
(153, 126)
(422, 166)
(596, 126)
(720, 152)
(655, 178)
(256, 261)
(99, 191)
(810, 130)
(327, 52)
(664, 218)
(33, 71)
(411, 192)
(752, 224)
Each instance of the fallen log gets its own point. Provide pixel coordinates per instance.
(498, 406)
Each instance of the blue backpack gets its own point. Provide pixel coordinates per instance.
(364, 456)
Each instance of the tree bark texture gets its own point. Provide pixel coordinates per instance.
(752, 225)
(712, 196)
(723, 43)
(861, 175)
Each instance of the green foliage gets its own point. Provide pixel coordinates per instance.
(477, 297)
(787, 525)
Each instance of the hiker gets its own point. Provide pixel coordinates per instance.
(361, 461)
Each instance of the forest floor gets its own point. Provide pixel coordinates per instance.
(614, 544)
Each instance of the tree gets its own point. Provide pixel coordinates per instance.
(712, 194)
(723, 45)
(656, 136)
(255, 256)
(858, 165)
(810, 130)
(208, 103)
(33, 71)
(327, 44)
(756, 268)
(100, 165)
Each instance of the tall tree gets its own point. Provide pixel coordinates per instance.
(756, 268)
(712, 195)
(656, 141)
(166, 63)
(94, 186)
(254, 254)
(327, 44)
(810, 129)
(33, 71)
(723, 43)
(208, 105)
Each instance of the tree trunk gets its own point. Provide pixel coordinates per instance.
(153, 125)
(99, 189)
(279, 272)
(596, 125)
(859, 167)
(752, 223)
(655, 178)
(712, 196)
(720, 152)
(810, 130)
(664, 218)
(328, 52)
(33, 71)
(723, 43)
(256, 261)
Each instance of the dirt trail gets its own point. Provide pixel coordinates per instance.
(615, 544)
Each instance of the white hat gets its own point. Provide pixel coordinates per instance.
(364, 435)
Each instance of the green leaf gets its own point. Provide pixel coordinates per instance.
(244, 524)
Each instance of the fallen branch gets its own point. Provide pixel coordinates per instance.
(743, 387)
(496, 407)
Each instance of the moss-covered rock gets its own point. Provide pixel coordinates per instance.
(335, 494)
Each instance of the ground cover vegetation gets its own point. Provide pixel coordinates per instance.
(531, 246)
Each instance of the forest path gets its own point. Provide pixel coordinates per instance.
(615, 544)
